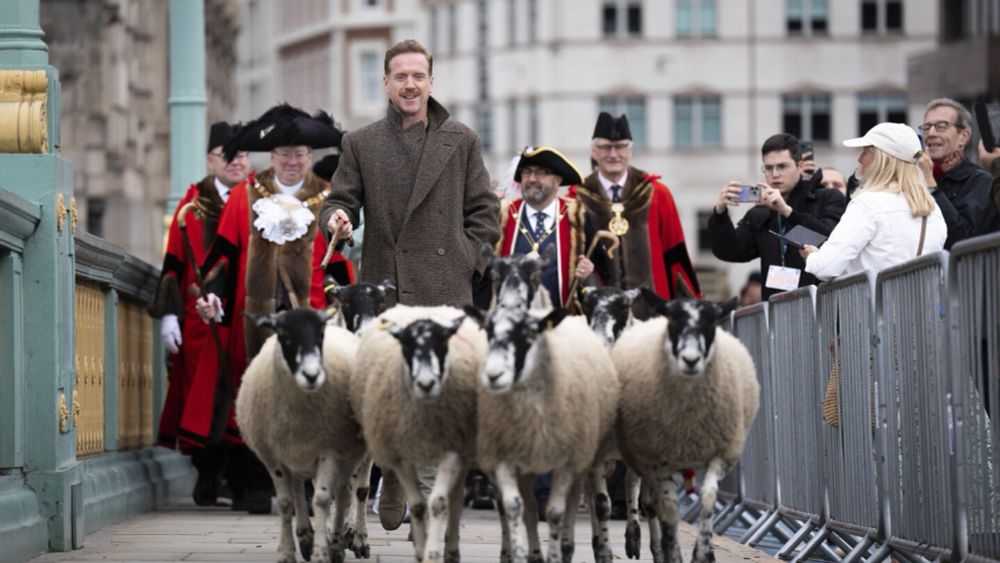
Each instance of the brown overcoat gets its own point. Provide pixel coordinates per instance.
(450, 213)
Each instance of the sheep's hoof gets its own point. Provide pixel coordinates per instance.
(358, 545)
(305, 538)
(536, 558)
(505, 555)
(633, 539)
(288, 559)
(324, 555)
(602, 553)
(704, 555)
(452, 556)
(567, 549)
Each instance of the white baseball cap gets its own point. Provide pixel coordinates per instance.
(895, 139)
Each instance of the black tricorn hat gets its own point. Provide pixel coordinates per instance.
(219, 133)
(612, 129)
(326, 166)
(284, 126)
(548, 157)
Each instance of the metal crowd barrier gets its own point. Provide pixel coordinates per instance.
(913, 407)
(974, 291)
(845, 319)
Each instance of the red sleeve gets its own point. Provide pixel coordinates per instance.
(169, 298)
(676, 260)
(317, 299)
(222, 264)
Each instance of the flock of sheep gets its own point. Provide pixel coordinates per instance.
(518, 391)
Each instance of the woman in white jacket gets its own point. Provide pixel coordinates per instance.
(891, 218)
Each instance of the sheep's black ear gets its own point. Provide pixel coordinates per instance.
(452, 327)
(725, 308)
(475, 314)
(654, 301)
(261, 319)
(548, 256)
(486, 251)
(553, 319)
(388, 283)
(633, 294)
(331, 288)
(394, 329)
(328, 313)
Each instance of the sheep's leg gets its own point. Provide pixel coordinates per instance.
(526, 484)
(513, 504)
(649, 496)
(633, 532)
(322, 497)
(356, 533)
(407, 475)
(668, 525)
(456, 503)
(504, 527)
(283, 490)
(562, 482)
(448, 473)
(600, 513)
(568, 533)
(709, 489)
(303, 527)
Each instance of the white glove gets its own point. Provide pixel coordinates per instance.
(170, 331)
(208, 307)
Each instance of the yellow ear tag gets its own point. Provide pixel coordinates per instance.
(384, 325)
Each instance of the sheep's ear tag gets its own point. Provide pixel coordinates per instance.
(385, 325)
(330, 310)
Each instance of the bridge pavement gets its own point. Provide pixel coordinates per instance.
(184, 532)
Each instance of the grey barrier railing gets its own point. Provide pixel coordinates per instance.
(974, 314)
(913, 401)
(845, 320)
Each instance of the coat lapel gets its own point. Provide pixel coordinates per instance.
(437, 150)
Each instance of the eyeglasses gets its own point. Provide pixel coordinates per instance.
(939, 126)
(239, 156)
(779, 168)
(536, 172)
(608, 147)
(284, 155)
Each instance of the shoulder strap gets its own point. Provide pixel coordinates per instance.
(923, 231)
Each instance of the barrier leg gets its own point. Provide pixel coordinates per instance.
(759, 530)
(690, 514)
(724, 522)
(880, 554)
(859, 550)
(812, 544)
(722, 511)
(786, 550)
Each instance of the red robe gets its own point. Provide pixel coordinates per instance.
(569, 241)
(197, 360)
(234, 245)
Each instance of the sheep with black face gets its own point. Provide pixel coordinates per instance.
(689, 395)
(414, 390)
(296, 384)
(359, 303)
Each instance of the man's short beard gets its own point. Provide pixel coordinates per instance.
(538, 197)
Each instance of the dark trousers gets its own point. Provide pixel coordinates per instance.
(245, 472)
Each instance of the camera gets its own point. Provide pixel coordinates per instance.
(749, 194)
(806, 150)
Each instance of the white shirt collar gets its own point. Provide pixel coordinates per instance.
(223, 190)
(289, 190)
(552, 211)
(608, 183)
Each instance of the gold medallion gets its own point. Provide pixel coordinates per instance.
(618, 225)
(534, 255)
(617, 208)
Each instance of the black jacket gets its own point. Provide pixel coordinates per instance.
(964, 198)
(813, 207)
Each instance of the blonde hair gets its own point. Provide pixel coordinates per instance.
(892, 175)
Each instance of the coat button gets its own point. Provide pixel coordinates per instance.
(440, 252)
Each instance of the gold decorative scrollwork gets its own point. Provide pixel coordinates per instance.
(76, 405)
(60, 212)
(23, 111)
(72, 214)
(63, 414)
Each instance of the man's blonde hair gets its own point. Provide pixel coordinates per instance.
(892, 175)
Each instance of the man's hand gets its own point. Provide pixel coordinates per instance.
(926, 166)
(170, 332)
(584, 267)
(806, 250)
(987, 158)
(773, 199)
(339, 225)
(729, 196)
(209, 307)
(808, 166)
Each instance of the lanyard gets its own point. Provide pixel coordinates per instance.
(781, 242)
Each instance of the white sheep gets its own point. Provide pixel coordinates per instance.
(689, 395)
(293, 410)
(547, 400)
(414, 389)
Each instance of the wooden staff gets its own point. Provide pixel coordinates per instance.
(223, 401)
(330, 249)
(598, 236)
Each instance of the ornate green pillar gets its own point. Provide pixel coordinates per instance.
(31, 168)
(187, 97)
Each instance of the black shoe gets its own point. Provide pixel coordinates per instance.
(205, 490)
(257, 502)
(619, 510)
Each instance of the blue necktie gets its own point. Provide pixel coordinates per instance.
(616, 193)
(540, 226)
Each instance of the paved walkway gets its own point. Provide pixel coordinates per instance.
(184, 532)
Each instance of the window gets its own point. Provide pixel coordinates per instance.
(634, 107)
(484, 126)
(534, 127)
(371, 3)
(881, 16)
(435, 28)
(696, 18)
(371, 79)
(622, 18)
(697, 121)
(512, 117)
(511, 22)
(532, 21)
(806, 17)
(875, 108)
(807, 116)
(452, 29)
(95, 215)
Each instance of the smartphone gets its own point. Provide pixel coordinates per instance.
(749, 194)
(988, 119)
(920, 137)
(806, 150)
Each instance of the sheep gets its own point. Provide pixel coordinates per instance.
(517, 279)
(414, 387)
(547, 399)
(689, 395)
(294, 413)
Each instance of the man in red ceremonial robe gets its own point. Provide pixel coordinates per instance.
(187, 412)
(266, 257)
